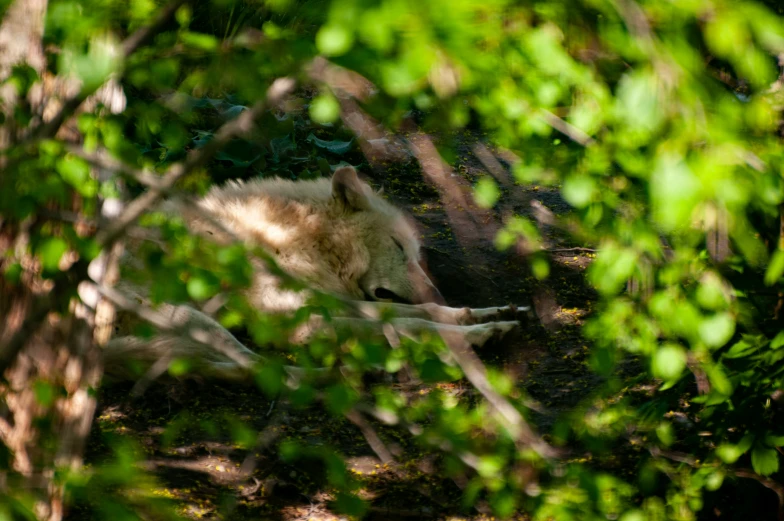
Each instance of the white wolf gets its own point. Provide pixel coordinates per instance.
(337, 236)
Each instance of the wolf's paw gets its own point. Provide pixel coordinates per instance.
(503, 313)
(482, 334)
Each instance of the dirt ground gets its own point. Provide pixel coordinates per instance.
(205, 473)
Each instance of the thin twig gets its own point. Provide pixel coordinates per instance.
(106, 162)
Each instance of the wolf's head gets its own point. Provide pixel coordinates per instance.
(392, 272)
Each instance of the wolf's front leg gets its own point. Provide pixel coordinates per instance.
(475, 335)
(444, 314)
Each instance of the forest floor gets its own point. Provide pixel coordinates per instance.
(205, 473)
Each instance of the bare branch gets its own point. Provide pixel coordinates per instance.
(371, 436)
(567, 129)
(511, 419)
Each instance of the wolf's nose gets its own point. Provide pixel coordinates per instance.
(385, 294)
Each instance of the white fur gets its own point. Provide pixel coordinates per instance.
(335, 235)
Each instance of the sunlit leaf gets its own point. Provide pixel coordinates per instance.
(324, 109)
(51, 251)
(202, 41)
(578, 190)
(334, 40)
(717, 330)
(486, 192)
(179, 367)
(764, 460)
(775, 268)
(669, 362)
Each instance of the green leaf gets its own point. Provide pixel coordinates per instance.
(103, 58)
(717, 330)
(433, 370)
(303, 395)
(205, 42)
(76, 172)
(336, 147)
(730, 453)
(350, 504)
(504, 503)
(486, 192)
(281, 146)
(741, 349)
(44, 393)
(179, 366)
(270, 378)
(540, 267)
(13, 273)
(775, 268)
(674, 193)
(665, 434)
(290, 450)
(714, 480)
(51, 250)
(340, 399)
(774, 441)
(184, 15)
(669, 361)
(710, 294)
(201, 287)
(334, 40)
(726, 34)
(489, 466)
(602, 360)
(719, 381)
(764, 460)
(324, 109)
(578, 190)
(633, 515)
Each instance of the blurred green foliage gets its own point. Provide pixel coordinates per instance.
(657, 120)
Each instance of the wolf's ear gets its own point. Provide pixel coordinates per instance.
(348, 191)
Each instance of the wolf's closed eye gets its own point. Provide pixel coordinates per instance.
(399, 246)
